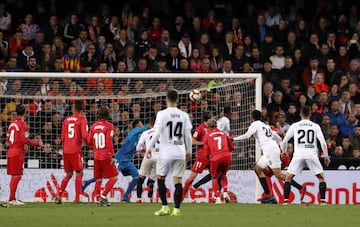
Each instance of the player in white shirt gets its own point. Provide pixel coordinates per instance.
(148, 165)
(306, 134)
(269, 143)
(223, 123)
(173, 130)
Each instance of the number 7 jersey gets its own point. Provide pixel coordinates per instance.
(73, 133)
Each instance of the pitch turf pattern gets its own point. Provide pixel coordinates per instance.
(87, 215)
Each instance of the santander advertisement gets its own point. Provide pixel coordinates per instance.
(40, 185)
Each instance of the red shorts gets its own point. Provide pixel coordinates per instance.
(15, 165)
(73, 162)
(104, 169)
(199, 165)
(221, 165)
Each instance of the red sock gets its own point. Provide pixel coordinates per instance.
(187, 184)
(215, 186)
(224, 183)
(13, 186)
(109, 185)
(78, 183)
(97, 188)
(63, 185)
(269, 184)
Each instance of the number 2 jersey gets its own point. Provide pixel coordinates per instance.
(17, 137)
(173, 129)
(101, 139)
(74, 131)
(305, 133)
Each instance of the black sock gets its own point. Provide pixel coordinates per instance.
(162, 192)
(287, 188)
(322, 190)
(202, 181)
(139, 187)
(150, 184)
(296, 184)
(178, 195)
(264, 185)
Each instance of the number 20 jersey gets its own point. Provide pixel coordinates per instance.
(171, 125)
(74, 131)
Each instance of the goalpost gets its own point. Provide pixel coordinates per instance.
(128, 96)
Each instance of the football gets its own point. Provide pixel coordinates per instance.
(195, 95)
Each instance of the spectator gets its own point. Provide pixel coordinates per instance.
(73, 28)
(52, 29)
(204, 45)
(216, 59)
(6, 19)
(177, 28)
(278, 60)
(336, 117)
(133, 31)
(92, 83)
(267, 47)
(29, 28)
(197, 30)
(278, 104)
(323, 55)
(354, 93)
(38, 42)
(346, 146)
(155, 30)
(338, 152)
(94, 29)
(110, 57)
(290, 71)
(165, 42)
(260, 29)
(4, 48)
(71, 60)
(272, 17)
(58, 47)
(185, 45)
(227, 66)
(281, 31)
(129, 57)
(316, 113)
(354, 70)
(32, 65)
(319, 84)
(310, 72)
(142, 45)
(355, 137)
(291, 43)
(47, 58)
(81, 42)
(120, 44)
(334, 92)
(346, 105)
(343, 59)
(348, 127)
(17, 43)
(10, 107)
(89, 60)
(323, 102)
(312, 46)
(195, 60)
(142, 66)
(173, 58)
(24, 56)
(151, 57)
(161, 65)
(292, 115)
(239, 58)
(356, 153)
(283, 125)
(184, 66)
(218, 35)
(332, 72)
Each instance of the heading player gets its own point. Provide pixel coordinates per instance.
(173, 129)
(218, 146)
(148, 165)
(268, 142)
(224, 122)
(101, 141)
(74, 133)
(17, 137)
(306, 134)
(201, 161)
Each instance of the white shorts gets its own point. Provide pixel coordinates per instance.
(297, 165)
(164, 166)
(270, 157)
(148, 168)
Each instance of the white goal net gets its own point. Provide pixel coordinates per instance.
(49, 97)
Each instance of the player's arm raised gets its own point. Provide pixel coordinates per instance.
(323, 145)
(156, 134)
(140, 146)
(251, 130)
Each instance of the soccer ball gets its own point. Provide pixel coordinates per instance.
(195, 95)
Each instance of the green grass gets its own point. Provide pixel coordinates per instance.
(227, 215)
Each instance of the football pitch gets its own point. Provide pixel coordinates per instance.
(120, 214)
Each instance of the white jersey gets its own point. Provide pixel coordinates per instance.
(173, 130)
(305, 133)
(144, 142)
(262, 133)
(224, 124)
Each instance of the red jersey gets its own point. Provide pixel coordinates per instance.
(217, 144)
(101, 139)
(74, 131)
(198, 135)
(17, 137)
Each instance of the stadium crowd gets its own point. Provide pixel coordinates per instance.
(307, 52)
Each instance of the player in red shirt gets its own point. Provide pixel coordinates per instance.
(201, 161)
(74, 132)
(218, 146)
(101, 141)
(17, 137)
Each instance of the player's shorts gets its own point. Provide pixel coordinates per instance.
(104, 169)
(15, 165)
(270, 157)
(127, 168)
(297, 165)
(73, 162)
(164, 166)
(148, 168)
(199, 165)
(285, 161)
(221, 165)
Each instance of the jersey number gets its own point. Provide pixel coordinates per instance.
(218, 140)
(12, 136)
(71, 130)
(310, 136)
(99, 140)
(268, 132)
(177, 130)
